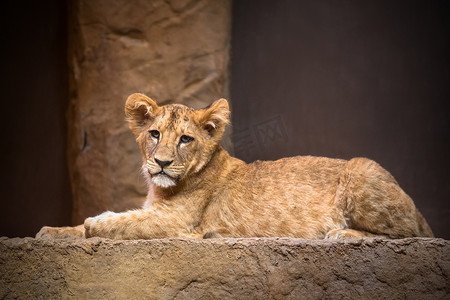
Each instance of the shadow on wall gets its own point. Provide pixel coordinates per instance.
(35, 186)
(347, 79)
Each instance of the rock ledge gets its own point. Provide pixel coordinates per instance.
(256, 268)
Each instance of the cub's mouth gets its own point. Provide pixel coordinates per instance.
(161, 173)
(163, 179)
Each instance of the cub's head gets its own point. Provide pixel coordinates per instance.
(176, 141)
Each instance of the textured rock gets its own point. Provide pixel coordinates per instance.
(225, 268)
(173, 51)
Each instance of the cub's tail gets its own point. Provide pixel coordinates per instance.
(424, 228)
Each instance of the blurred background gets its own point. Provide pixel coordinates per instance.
(326, 78)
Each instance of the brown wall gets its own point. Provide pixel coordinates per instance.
(172, 51)
(345, 79)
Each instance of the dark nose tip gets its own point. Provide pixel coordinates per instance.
(163, 163)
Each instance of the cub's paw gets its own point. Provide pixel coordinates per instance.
(346, 233)
(100, 225)
(48, 232)
(212, 235)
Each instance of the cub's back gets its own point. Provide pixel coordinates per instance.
(288, 197)
(289, 178)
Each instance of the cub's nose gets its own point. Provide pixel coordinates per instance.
(163, 163)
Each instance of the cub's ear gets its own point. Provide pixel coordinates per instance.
(139, 110)
(215, 118)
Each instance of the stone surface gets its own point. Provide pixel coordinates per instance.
(172, 50)
(271, 268)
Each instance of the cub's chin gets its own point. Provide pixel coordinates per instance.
(163, 180)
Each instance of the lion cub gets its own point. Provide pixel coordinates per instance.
(196, 189)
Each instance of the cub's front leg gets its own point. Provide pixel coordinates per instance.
(138, 224)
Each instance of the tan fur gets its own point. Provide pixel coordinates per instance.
(204, 192)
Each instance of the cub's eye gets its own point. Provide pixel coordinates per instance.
(186, 139)
(154, 133)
